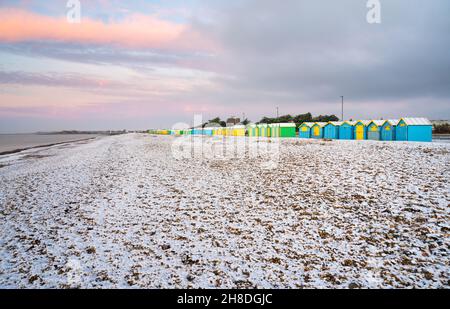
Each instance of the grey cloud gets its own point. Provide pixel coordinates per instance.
(71, 80)
(315, 51)
(139, 59)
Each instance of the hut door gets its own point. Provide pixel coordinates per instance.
(316, 131)
(359, 132)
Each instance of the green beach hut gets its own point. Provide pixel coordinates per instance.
(286, 129)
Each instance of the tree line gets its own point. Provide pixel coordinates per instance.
(298, 119)
(443, 128)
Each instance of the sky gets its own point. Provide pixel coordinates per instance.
(151, 64)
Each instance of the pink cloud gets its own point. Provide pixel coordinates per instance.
(136, 31)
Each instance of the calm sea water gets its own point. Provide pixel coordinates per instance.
(9, 142)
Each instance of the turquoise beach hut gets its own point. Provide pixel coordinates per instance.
(304, 130)
(388, 130)
(414, 129)
(197, 131)
(346, 130)
(374, 130)
(317, 129)
(331, 130)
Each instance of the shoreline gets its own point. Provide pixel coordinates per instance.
(9, 152)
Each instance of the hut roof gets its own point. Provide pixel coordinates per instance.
(308, 124)
(378, 123)
(392, 122)
(321, 124)
(335, 123)
(416, 121)
(364, 122)
(286, 124)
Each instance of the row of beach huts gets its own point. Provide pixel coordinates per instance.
(404, 129)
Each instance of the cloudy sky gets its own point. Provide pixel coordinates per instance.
(143, 64)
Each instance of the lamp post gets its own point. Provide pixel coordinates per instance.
(342, 108)
(277, 112)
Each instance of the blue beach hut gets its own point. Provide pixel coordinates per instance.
(197, 131)
(208, 131)
(414, 129)
(374, 130)
(388, 130)
(331, 130)
(304, 130)
(346, 130)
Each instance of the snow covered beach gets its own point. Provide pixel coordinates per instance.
(122, 212)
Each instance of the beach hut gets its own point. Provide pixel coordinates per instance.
(269, 130)
(208, 131)
(374, 129)
(360, 129)
(197, 131)
(275, 129)
(229, 131)
(304, 130)
(286, 129)
(388, 130)
(262, 129)
(317, 129)
(331, 129)
(346, 130)
(252, 130)
(239, 130)
(414, 129)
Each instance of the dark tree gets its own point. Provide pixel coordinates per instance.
(245, 122)
(443, 128)
(301, 118)
(217, 121)
(325, 118)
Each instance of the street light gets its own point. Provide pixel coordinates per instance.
(342, 108)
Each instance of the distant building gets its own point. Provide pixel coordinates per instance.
(233, 121)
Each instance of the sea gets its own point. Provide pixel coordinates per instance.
(13, 142)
